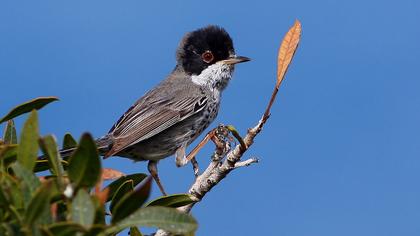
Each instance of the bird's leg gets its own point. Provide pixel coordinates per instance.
(152, 167)
(180, 158)
(201, 144)
(217, 136)
(194, 152)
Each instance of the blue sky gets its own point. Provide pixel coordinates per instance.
(340, 154)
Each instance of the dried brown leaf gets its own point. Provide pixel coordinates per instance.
(53, 209)
(106, 174)
(111, 174)
(287, 50)
(42, 179)
(102, 195)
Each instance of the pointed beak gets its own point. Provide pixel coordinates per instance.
(232, 60)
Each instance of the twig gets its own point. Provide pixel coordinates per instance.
(195, 166)
(246, 162)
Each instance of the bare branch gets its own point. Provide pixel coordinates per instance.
(224, 160)
(246, 162)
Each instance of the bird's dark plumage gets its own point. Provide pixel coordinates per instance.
(194, 44)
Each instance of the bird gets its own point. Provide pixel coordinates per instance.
(170, 116)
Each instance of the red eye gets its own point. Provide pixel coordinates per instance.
(207, 56)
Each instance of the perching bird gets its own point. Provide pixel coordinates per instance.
(173, 114)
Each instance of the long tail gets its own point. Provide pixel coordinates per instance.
(66, 153)
(103, 144)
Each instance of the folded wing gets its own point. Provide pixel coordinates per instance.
(146, 119)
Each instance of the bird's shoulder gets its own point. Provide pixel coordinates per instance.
(175, 86)
(176, 93)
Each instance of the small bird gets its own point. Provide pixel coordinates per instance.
(172, 115)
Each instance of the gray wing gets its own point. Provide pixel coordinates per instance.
(153, 114)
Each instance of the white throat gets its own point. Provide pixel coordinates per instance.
(216, 76)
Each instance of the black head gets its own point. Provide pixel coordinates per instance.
(204, 47)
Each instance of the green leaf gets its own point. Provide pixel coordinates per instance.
(132, 201)
(83, 209)
(175, 200)
(113, 187)
(69, 141)
(9, 229)
(28, 148)
(50, 149)
(125, 188)
(10, 200)
(66, 228)
(189, 234)
(96, 230)
(168, 219)
(236, 134)
(10, 133)
(15, 213)
(84, 168)
(99, 212)
(9, 188)
(29, 182)
(26, 107)
(11, 191)
(28, 177)
(43, 165)
(134, 231)
(8, 153)
(45, 231)
(39, 204)
(5, 198)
